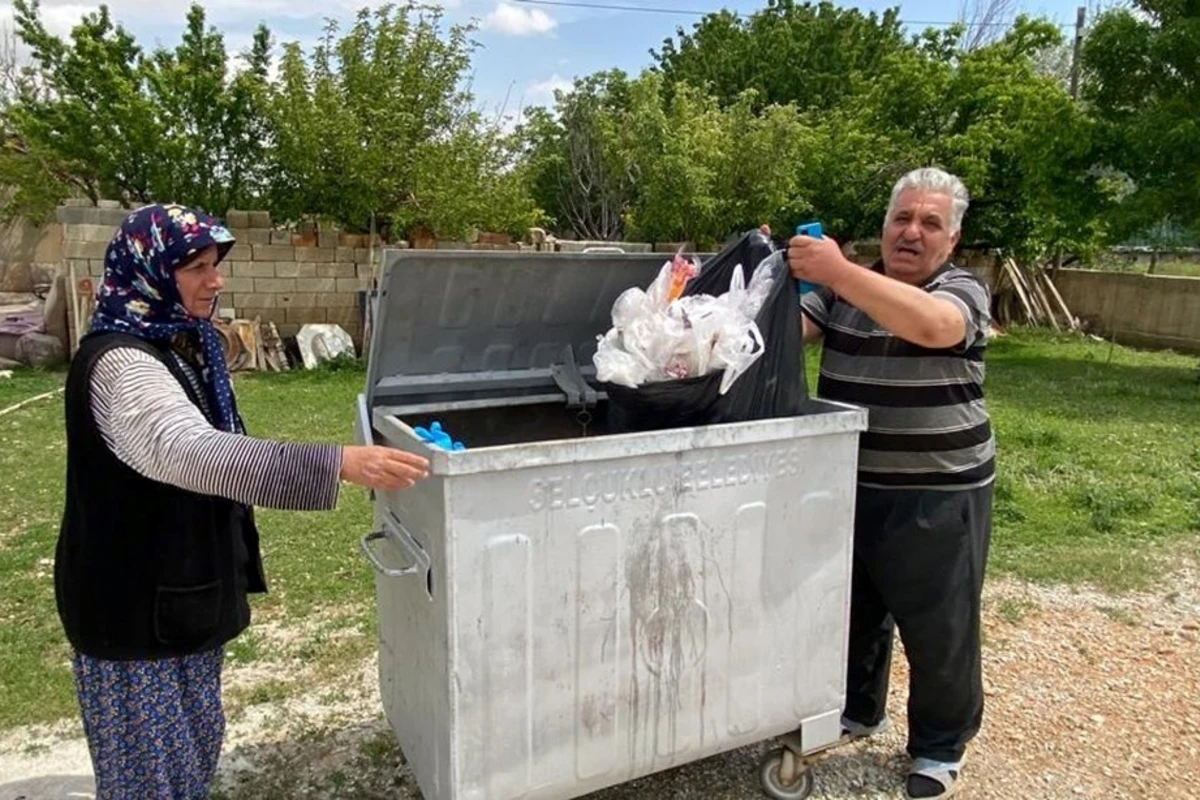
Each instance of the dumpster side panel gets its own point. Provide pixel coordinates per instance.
(620, 617)
(414, 637)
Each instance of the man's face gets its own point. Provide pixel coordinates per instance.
(916, 237)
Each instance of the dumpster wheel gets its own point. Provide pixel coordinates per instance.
(785, 776)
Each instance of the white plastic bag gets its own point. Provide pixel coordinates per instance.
(659, 335)
(616, 365)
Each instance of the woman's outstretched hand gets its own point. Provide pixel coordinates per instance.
(382, 468)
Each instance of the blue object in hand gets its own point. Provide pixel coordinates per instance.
(437, 437)
(813, 230)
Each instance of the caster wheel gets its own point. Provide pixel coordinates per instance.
(776, 768)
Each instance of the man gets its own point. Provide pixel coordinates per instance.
(905, 339)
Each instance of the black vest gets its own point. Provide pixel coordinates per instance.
(143, 569)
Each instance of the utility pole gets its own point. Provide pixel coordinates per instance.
(1080, 15)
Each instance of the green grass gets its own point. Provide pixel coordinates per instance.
(1183, 268)
(26, 383)
(1099, 460)
(1188, 268)
(1099, 481)
(311, 559)
(1098, 465)
(1013, 610)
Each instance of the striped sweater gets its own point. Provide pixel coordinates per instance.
(147, 420)
(928, 425)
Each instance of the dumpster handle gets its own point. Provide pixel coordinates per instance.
(419, 564)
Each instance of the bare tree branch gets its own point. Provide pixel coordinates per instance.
(986, 21)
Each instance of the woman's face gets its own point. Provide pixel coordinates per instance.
(199, 281)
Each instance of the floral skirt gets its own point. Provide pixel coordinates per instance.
(154, 728)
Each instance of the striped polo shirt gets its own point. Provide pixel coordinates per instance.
(928, 425)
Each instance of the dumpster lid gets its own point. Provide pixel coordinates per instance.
(453, 326)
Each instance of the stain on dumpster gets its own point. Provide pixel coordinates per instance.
(668, 624)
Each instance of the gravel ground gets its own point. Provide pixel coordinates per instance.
(1087, 696)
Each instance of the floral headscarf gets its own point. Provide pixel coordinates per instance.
(138, 295)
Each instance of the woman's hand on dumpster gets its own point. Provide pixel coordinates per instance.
(382, 468)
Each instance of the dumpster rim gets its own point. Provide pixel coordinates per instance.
(840, 419)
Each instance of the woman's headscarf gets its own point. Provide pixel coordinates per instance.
(138, 295)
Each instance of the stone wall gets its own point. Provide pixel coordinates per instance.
(286, 277)
(318, 275)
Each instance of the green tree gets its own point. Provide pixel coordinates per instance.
(705, 171)
(811, 55)
(102, 118)
(989, 114)
(579, 160)
(1142, 82)
(211, 144)
(94, 127)
(379, 125)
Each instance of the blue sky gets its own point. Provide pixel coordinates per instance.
(526, 50)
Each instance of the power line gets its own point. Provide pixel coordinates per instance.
(696, 13)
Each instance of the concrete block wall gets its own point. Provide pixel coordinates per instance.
(1153, 311)
(281, 276)
(315, 276)
(294, 285)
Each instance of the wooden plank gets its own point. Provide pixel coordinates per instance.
(1017, 281)
(1072, 322)
(1034, 275)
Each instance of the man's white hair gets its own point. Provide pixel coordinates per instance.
(936, 181)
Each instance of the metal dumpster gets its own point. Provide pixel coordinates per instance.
(561, 609)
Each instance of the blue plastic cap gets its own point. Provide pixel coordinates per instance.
(813, 230)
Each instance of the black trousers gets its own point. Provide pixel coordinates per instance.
(919, 560)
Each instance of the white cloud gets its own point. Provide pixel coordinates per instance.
(544, 90)
(516, 21)
(58, 20)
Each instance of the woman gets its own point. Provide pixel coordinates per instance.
(158, 548)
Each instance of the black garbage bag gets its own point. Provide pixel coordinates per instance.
(773, 386)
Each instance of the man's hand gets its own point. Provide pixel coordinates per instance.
(382, 468)
(817, 260)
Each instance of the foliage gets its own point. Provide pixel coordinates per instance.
(110, 121)
(797, 111)
(705, 171)
(579, 161)
(212, 137)
(687, 157)
(1024, 149)
(379, 124)
(1142, 82)
(805, 54)
(626, 157)
(374, 122)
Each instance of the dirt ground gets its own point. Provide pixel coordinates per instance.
(1087, 696)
